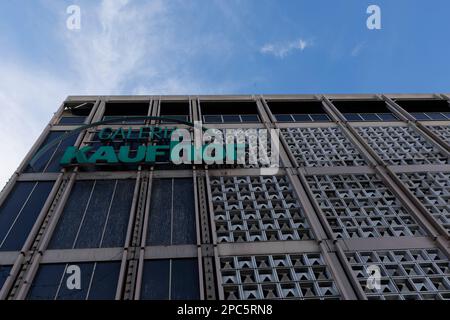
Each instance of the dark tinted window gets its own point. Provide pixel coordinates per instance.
(172, 212)
(387, 116)
(155, 281)
(49, 160)
(181, 117)
(284, 117)
(4, 273)
(19, 212)
(352, 117)
(98, 281)
(298, 110)
(231, 118)
(320, 117)
(420, 116)
(424, 105)
(72, 120)
(370, 117)
(174, 110)
(436, 116)
(302, 117)
(229, 111)
(127, 112)
(184, 285)
(175, 279)
(96, 215)
(249, 118)
(212, 119)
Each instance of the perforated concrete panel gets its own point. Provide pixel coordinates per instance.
(433, 191)
(321, 147)
(361, 206)
(287, 276)
(417, 274)
(402, 146)
(257, 209)
(442, 131)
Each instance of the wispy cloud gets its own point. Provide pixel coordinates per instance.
(123, 47)
(28, 98)
(281, 50)
(357, 49)
(118, 44)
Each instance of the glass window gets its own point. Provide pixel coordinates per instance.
(387, 116)
(175, 279)
(352, 117)
(181, 117)
(96, 215)
(320, 117)
(184, 284)
(172, 212)
(19, 212)
(155, 281)
(183, 213)
(420, 116)
(4, 273)
(302, 117)
(212, 119)
(136, 121)
(49, 160)
(436, 116)
(284, 117)
(123, 119)
(249, 118)
(231, 118)
(98, 281)
(370, 116)
(106, 118)
(72, 120)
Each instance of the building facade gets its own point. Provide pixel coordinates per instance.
(359, 208)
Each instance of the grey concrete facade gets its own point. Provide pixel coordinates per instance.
(353, 194)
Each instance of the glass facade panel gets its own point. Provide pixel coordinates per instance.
(387, 116)
(420, 116)
(320, 117)
(71, 120)
(49, 160)
(4, 273)
(249, 118)
(184, 284)
(19, 212)
(212, 119)
(170, 279)
(370, 117)
(96, 215)
(155, 282)
(436, 116)
(231, 118)
(284, 117)
(352, 117)
(302, 117)
(172, 212)
(98, 281)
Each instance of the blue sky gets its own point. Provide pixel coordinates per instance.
(209, 47)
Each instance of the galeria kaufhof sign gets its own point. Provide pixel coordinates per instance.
(195, 145)
(179, 145)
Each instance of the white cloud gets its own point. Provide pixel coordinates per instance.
(116, 44)
(281, 50)
(123, 47)
(28, 99)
